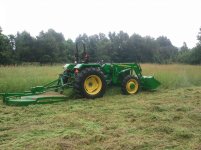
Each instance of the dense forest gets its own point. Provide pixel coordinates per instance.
(51, 47)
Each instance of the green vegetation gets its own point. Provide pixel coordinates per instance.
(51, 47)
(168, 118)
(21, 78)
(175, 75)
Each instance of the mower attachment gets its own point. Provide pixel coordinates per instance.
(33, 99)
(36, 94)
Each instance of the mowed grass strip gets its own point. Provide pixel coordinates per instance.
(166, 119)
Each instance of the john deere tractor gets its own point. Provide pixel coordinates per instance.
(88, 80)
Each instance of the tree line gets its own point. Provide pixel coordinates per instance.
(52, 47)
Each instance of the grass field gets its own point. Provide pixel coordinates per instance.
(169, 118)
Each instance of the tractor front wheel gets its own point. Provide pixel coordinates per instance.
(90, 83)
(130, 85)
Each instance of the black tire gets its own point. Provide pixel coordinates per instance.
(129, 81)
(83, 82)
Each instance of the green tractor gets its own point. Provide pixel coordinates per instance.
(88, 80)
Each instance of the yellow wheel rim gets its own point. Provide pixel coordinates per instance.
(132, 86)
(93, 84)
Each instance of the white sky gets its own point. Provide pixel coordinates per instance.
(179, 20)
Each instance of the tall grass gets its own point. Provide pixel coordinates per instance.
(23, 77)
(175, 75)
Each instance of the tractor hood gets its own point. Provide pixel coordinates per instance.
(66, 66)
(69, 66)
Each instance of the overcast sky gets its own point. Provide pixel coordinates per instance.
(179, 20)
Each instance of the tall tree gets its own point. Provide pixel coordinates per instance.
(103, 48)
(195, 57)
(166, 51)
(184, 54)
(199, 37)
(0, 30)
(119, 44)
(51, 45)
(25, 49)
(135, 46)
(184, 47)
(70, 50)
(6, 49)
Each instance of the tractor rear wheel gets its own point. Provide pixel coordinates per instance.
(130, 85)
(90, 83)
